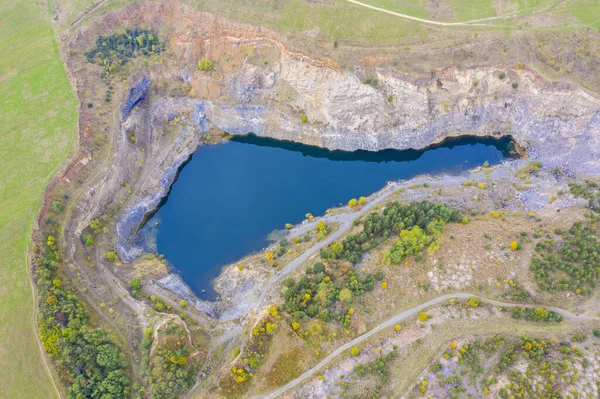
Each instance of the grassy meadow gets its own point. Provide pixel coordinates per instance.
(37, 133)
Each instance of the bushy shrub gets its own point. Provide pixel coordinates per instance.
(204, 64)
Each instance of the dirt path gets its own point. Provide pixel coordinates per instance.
(474, 22)
(86, 12)
(396, 319)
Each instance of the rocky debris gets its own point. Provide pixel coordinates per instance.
(126, 229)
(175, 285)
(129, 244)
(137, 93)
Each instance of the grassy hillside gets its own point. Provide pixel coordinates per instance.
(37, 132)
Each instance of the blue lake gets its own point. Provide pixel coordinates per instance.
(229, 197)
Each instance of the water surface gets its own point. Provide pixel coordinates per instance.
(229, 197)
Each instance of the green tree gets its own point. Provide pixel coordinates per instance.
(135, 284)
(271, 327)
(96, 225)
(110, 256)
(355, 351)
(57, 206)
(345, 295)
(87, 240)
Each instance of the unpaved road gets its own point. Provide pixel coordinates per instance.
(396, 319)
(474, 22)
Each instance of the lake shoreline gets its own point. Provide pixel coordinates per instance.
(195, 231)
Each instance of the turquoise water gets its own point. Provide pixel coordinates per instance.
(229, 197)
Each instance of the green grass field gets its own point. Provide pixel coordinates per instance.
(588, 14)
(37, 132)
(344, 20)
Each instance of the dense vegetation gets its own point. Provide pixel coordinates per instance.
(511, 368)
(87, 359)
(573, 262)
(114, 50)
(546, 376)
(320, 295)
(537, 314)
(416, 224)
(327, 290)
(172, 368)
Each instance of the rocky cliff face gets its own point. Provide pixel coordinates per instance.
(557, 122)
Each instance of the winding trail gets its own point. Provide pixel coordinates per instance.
(398, 318)
(474, 22)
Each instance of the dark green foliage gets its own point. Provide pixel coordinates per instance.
(317, 295)
(530, 347)
(573, 263)
(395, 218)
(377, 367)
(590, 191)
(517, 294)
(579, 337)
(435, 367)
(544, 368)
(87, 360)
(508, 357)
(57, 206)
(282, 247)
(135, 284)
(172, 371)
(87, 240)
(537, 314)
(114, 50)
(471, 356)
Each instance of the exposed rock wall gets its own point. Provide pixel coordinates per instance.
(400, 111)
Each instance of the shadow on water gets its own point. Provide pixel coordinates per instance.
(228, 198)
(504, 144)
